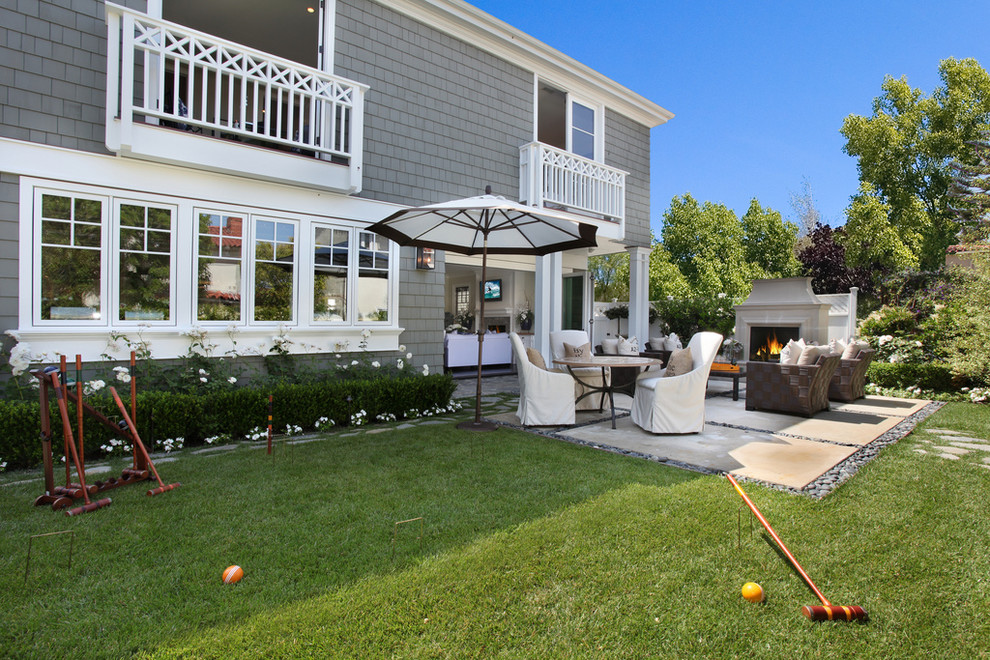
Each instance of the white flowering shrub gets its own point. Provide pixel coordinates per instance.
(169, 445)
(118, 445)
(323, 422)
(359, 418)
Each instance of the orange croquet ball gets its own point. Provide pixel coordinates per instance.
(232, 574)
(752, 592)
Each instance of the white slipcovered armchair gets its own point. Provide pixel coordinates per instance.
(590, 375)
(546, 398)
(676, 404)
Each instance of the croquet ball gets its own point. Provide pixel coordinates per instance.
(232, 574)
(752, 592)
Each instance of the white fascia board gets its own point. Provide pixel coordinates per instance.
(70, 165)
(471, 25)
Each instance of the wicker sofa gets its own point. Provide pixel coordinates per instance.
(849, 381)
(790, 388)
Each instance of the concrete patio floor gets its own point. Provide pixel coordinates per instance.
(806, 455)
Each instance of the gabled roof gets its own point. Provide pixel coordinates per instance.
(472, 25)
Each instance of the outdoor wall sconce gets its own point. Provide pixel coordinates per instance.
(424, 258)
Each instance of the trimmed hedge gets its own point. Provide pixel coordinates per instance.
(195, 417)
(931, 376)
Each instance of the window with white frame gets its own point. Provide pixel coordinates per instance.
(145, 270)
(274, 270)
(70, 277)
(567, 123)
(373, 261)
(106, 260)
(221, 245)
(331, 250)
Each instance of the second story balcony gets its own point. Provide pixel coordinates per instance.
(180, 96)
(555, 178)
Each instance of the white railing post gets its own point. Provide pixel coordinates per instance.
(113, 80)
(127, 80)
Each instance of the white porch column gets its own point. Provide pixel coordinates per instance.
(548, 308)
(639, 294)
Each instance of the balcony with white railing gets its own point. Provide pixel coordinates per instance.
(180, 96)
(551, 177)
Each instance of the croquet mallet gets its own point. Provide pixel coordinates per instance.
(824, 612)
(140, 446)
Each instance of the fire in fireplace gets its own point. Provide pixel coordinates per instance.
(766, 342)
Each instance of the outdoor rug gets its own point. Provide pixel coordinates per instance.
(798, 454)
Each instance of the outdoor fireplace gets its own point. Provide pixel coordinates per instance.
(784, 307)
(766, 342)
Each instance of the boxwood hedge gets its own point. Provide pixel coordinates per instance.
(194, 417)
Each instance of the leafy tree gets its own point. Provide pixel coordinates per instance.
(824, 260)
(705, 242)
(871, 241)
(769, 241)
(611, 276)
(969, 192)
(905, 148)
(665, 278)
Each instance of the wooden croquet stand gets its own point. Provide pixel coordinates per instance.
(61, 497)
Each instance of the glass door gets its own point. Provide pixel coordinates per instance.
(572, 317)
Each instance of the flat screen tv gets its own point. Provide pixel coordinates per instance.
(491, 290)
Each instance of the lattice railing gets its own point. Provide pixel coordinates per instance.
(556, 177)
(179, 77)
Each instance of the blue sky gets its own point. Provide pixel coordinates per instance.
(759, 89)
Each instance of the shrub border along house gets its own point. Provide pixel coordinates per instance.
(234, 413)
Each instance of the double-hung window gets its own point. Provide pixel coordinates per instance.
(145, 268)
(70, 257)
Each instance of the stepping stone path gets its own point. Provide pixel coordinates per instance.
(953, 445)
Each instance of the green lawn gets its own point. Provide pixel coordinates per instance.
(532, 548)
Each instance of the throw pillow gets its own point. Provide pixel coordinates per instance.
(536, 358)
(853, 349)
(610, 346)
(628, 346)
(810, 354)
(680, 362)
(656, 343)
(577, 351)
(672, 343)
(837, 345)
(791, 353)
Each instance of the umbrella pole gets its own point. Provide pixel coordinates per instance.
(477, 424)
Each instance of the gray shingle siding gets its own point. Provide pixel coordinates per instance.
(442, 119)
(627, 146)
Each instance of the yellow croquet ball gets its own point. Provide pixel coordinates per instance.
(752, 592)
(232, 574)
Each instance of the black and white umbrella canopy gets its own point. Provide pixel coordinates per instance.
(461, 226)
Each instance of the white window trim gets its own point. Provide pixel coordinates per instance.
(114, 227)
(90, 338)
(35, 264)
(572, 98)
(250, 270)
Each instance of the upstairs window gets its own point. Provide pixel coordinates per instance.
(566, 123)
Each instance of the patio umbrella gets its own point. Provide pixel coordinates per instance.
(487, 224)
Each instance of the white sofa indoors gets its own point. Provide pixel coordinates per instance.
(462, 350)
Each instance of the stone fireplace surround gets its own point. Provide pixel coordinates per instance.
(786, 302)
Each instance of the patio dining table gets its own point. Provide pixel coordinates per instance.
(603, 362)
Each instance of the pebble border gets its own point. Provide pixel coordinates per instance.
(817, 489)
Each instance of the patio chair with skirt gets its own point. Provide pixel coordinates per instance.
(676, 404)
(546, 398)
